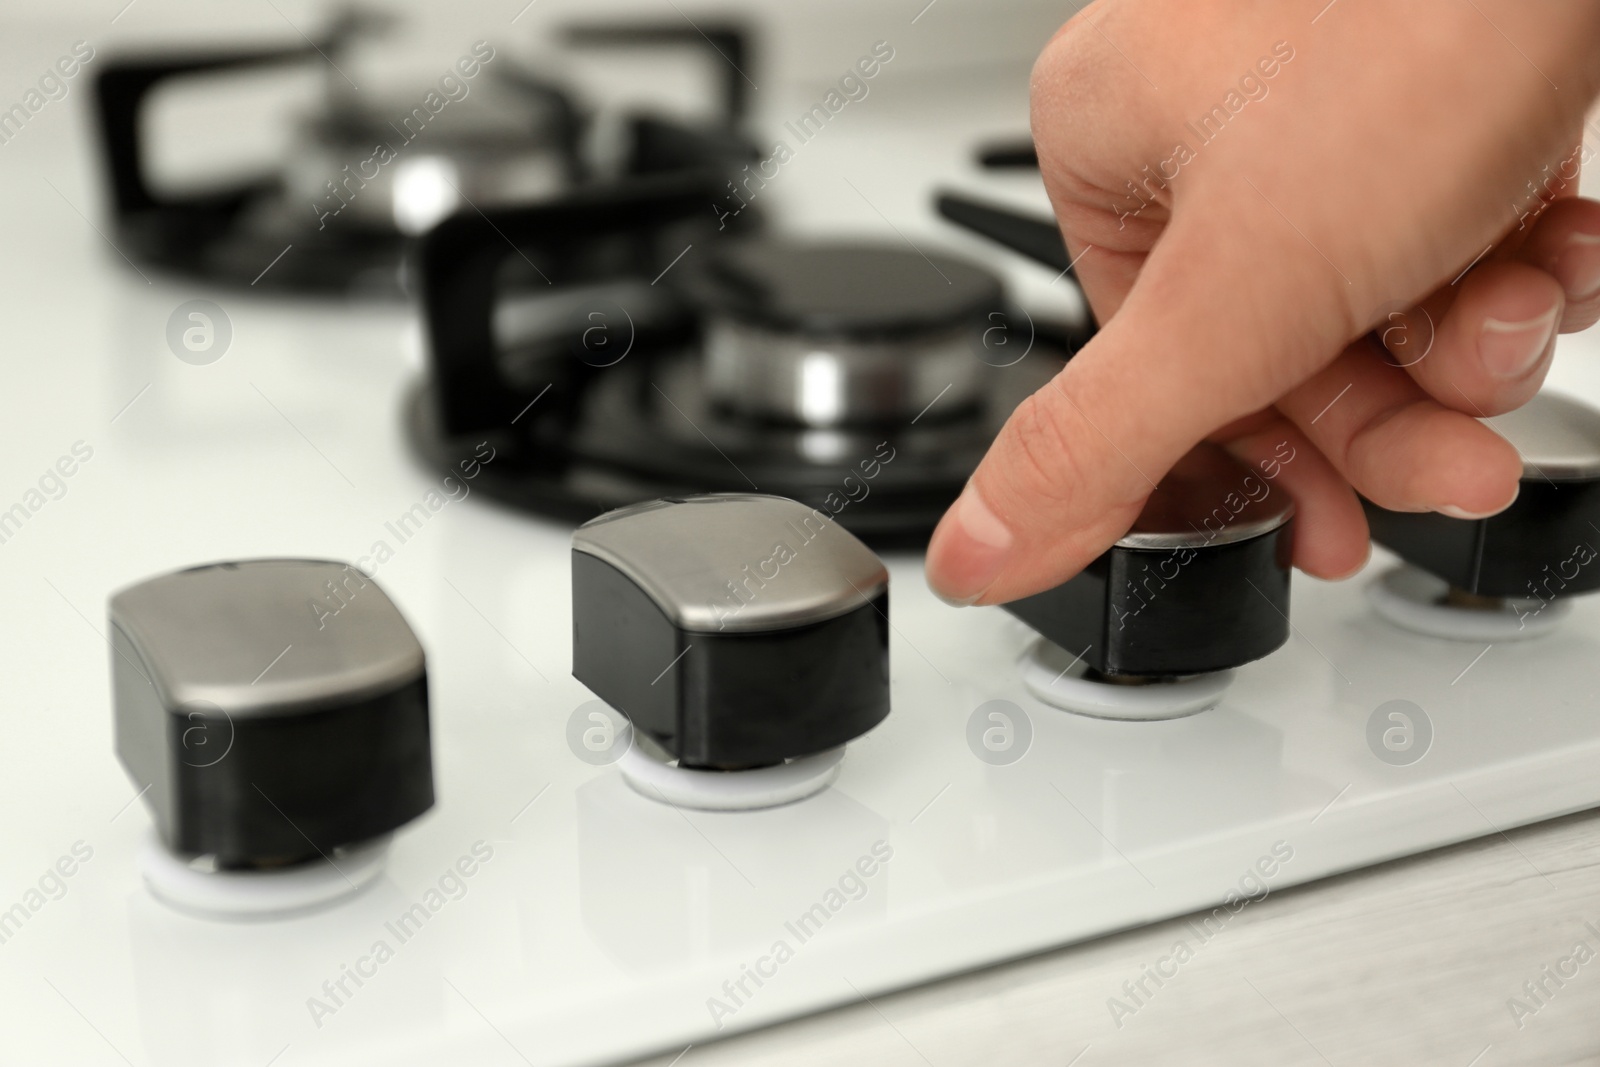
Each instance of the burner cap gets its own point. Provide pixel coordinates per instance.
(493, 115)
(842, 289)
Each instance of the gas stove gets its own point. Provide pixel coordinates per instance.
(547, 900)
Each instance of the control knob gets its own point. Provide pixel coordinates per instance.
(1510, 575)
(274, 715)
(744, 637)
(1153, 628)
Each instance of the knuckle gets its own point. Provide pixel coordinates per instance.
(1042, 460)
(1073, 79)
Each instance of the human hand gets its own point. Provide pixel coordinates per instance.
(1248, 187)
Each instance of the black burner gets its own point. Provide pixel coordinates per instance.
(322, 227)
(863, 380)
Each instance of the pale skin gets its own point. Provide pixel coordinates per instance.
(1363, 177)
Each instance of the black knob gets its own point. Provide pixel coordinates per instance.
(1540, 549)
(274, 711)
(1200, 584)
(734, 630)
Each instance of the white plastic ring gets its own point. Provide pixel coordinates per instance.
(263, 894)
(1056, 677)
(761, 787)
(1412, 599)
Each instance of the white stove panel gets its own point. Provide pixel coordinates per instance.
(545, 905)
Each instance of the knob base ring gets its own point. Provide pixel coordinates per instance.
(1412, 599)
(1056, 677)
(232, 895)
(664, 781)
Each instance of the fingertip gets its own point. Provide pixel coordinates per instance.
(1336, 553)
(1565, 244)
(1353, 558)
(1365, 558)
(1459, 511)
(1495, 343)
(1479, 474)
(968, 551)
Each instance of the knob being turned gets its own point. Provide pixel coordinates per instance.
(1198, 586)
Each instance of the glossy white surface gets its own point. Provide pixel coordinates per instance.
(595, 924)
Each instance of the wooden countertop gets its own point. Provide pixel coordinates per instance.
(1418, 961)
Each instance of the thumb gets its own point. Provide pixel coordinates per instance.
(1187, 352)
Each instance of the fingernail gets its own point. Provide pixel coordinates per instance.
(1357, 569)
(969, 551)
(1578, 267)
(1462, 513)
(1512, 349)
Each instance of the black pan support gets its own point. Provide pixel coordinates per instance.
(1038, 239)
(198, 234)
(120, 93)
(1019, 154)
(202, 234)
(459, 262)
(727, 45)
